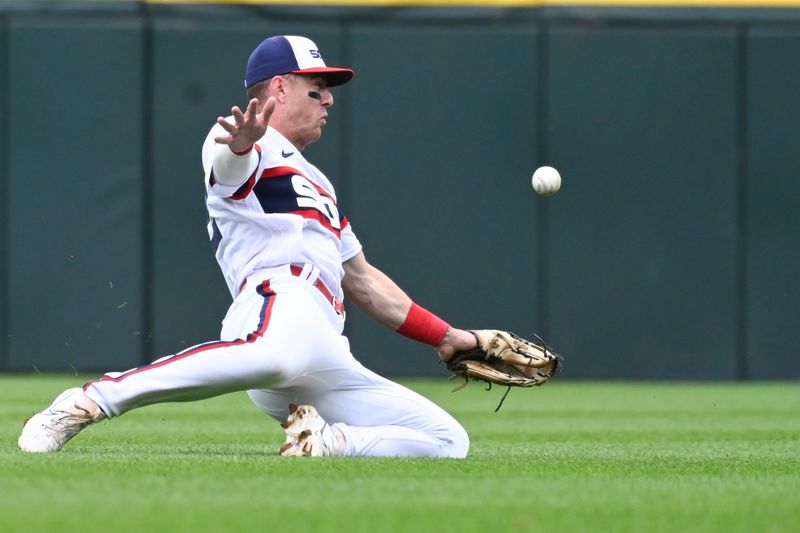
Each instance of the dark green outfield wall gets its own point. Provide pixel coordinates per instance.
(671, 252)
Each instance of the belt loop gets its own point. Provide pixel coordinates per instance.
(315, 272)
(307, 272)
(311, 274)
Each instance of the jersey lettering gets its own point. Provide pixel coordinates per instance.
(308, 196)
(282, 190)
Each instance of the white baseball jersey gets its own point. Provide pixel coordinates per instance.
(285, 213)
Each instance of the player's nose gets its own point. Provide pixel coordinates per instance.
(327, 98)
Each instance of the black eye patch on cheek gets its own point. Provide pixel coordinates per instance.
(315, 95)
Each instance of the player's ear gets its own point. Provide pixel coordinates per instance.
(277, 88)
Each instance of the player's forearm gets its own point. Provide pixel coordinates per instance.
(381, 298)
(377, 295)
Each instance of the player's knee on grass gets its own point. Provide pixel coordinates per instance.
(458, 442)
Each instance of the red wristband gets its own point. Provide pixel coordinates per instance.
(245, 151)
(423, 326)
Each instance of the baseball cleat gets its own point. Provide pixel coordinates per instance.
(308, 435)
(51, 429)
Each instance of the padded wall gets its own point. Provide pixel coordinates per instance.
(669, 253)
(644, 236)
(442, 145)
(773, 203)
(74, 191)
(3, 196)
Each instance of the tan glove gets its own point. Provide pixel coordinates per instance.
(506, 359)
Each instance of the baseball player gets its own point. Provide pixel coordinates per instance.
(289, 256)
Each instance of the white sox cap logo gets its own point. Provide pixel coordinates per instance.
(283, 54)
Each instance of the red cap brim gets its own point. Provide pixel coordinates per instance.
(334, 76)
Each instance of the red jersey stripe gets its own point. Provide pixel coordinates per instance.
(313, 214)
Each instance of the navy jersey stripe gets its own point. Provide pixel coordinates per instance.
(216, 236)
(276, 194)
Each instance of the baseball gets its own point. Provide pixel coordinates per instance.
(546, 181)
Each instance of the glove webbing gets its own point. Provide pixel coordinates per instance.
(508, 389)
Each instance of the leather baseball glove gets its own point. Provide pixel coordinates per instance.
(506, 359)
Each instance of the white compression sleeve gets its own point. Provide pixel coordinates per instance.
(231, 169)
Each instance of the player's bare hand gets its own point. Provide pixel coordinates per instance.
(248, 126)
(455, 340)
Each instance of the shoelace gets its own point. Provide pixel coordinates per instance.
(64, 420)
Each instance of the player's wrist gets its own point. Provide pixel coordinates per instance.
(423, 326)
(242, 152)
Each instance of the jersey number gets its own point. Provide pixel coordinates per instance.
(308, 196)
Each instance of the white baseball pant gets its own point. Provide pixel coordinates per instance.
(282, 342)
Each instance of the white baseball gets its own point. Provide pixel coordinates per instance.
(546, 181)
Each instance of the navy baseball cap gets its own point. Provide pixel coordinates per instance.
(283, 54)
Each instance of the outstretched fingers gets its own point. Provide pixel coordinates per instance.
(248, 126)
(232, 129)
(249, 115)
(266, 111)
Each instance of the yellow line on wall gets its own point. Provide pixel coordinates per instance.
(502, 3)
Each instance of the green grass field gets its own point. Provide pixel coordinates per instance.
(570, 456)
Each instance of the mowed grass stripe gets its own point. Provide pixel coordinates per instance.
(570, 456)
